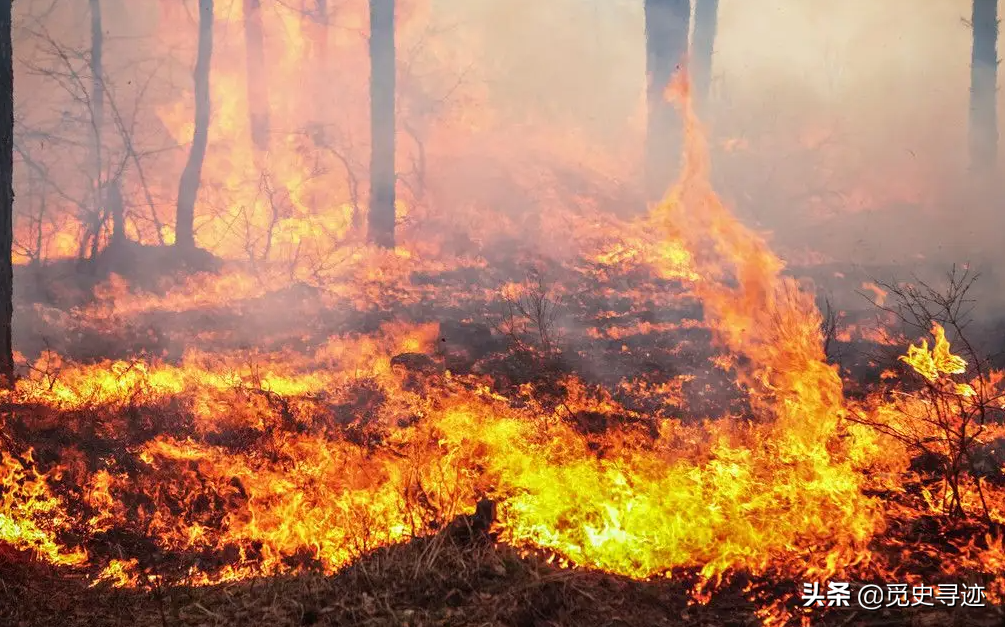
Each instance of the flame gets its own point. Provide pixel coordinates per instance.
(767, 492)
(312, 452)
(937, 361)
(30, 515)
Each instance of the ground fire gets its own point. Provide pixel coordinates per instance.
(306, 336)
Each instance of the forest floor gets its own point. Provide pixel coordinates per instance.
(449, 578)
(434, 581)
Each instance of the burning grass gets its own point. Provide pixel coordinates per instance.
(450, 578)
(656, 425)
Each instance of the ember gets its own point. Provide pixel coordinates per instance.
(485, 387)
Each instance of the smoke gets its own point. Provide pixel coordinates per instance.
(841, 130)
(882, 115)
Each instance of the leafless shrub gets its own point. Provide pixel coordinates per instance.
(531, 312)
(92, 159)
(339, 144)
(46, 369)
(829, 328)
(944, 417)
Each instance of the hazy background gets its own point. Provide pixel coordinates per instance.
(839, 127)
(826, 109)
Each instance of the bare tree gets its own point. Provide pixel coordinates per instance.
(6, 195)
(258, 85)
(531, 311)
(319, 33)
(97, 86)
(107, 194)
(188, 187)
(382, 123)
(944, 419)
(116, 207)
(706, 15)
(983, 86)
(92, 107)
(668, 23)
(829, 330)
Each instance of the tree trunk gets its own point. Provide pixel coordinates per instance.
(382, 126)
(319, 32)
(114, 204)
(97, 112)
(706, 15)
(97, 84)
(6, 195)
(188, 187)
(984, 87)
(258, 86)
(118, 209)
(667, 28)
(319, 37)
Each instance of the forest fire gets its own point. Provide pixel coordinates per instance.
(527, 389)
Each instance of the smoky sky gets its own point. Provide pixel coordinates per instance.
(839, 128)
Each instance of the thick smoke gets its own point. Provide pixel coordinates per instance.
(879, 94)
(840, 129)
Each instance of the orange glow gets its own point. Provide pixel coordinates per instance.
(302, 407)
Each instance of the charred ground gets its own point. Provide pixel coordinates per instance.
(441, 581)
(597, 331)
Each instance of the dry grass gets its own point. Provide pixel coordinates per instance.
(436, 581)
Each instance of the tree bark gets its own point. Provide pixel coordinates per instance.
(382, 123)
(320, 33)
(984, 86)
(6, 196)
(258, 85)
(92, 238)
(114, 203)
(188, 187)
(97, 87)
(667, 27)
(706, 15)
(107, 195)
